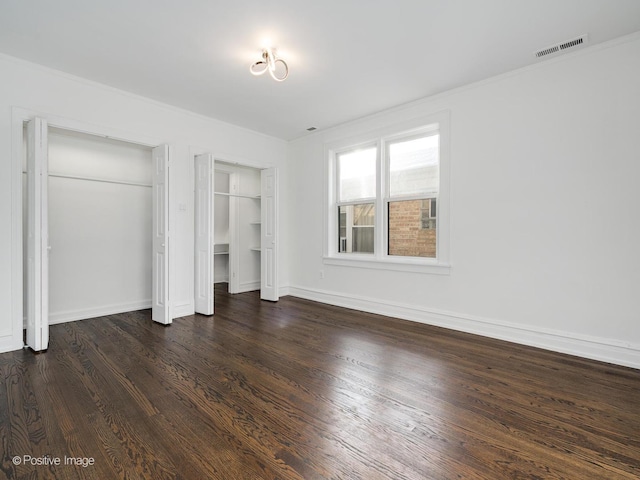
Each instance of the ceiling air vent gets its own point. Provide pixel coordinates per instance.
(559, 47)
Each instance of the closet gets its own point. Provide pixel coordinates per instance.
(237, 227)
(236, 230)
(97, 235)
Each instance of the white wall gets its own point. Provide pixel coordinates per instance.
(221, 227)
(63, 99)
(545, 164)
(99, 232)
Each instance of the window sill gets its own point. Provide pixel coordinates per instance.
(398, 265)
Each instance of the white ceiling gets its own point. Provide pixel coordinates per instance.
(347, 58)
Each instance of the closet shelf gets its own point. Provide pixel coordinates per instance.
(221, 249)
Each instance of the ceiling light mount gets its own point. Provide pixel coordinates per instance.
(277, 68)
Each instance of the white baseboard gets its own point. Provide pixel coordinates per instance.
(248, 287)
(596, 348)
(283, 291)
(72, 315)
(181, 310)
(9, 344)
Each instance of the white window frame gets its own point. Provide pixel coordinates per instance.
(435, 123)
(359, 201)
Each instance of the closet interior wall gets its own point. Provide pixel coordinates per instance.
(237, 226)
(221, 228)
(99, 226)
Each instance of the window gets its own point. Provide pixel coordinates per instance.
(413, 174)
(428, 214)
(357, 228)
(388, 199)
(356, 200)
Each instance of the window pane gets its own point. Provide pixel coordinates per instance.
(414, 166)
(412, 228)
(357, 175)
(356, 228)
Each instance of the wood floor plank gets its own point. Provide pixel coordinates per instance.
(301, 390)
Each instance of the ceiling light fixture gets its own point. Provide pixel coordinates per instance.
(278, 68)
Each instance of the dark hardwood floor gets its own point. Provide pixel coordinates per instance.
(300, 390)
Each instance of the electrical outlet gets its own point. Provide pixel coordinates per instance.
(321, 274)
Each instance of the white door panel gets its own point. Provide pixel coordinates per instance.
(269, 240)
(204, 208)
(160, 310)
(37, 236)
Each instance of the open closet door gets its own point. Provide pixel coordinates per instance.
(160, 311)
(37, 236)
(269, 235)
(204, 199)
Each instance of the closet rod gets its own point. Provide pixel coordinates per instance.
(101, 180)
(240, 195)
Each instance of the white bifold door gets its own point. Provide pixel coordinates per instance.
(160, 306)
(204, 208)
(37, 254)
(204, 234)
(37, 236)
(269, 235)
